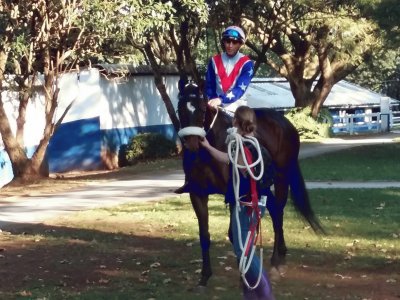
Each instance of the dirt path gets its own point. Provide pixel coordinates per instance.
(35, 206)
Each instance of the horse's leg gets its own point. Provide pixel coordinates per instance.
(200, 206)
(275, 206)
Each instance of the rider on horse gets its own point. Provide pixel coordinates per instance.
(229, 73)
(228, 76)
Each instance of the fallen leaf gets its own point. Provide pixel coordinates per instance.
(196, 261)
(25, 293)
(64, 261)
(342, 276)
(102, 280)
(155, 265)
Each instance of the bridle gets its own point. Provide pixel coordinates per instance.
(196, 95)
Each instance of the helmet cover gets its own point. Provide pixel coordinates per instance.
(235, 33)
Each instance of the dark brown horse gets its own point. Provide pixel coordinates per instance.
(206, 176)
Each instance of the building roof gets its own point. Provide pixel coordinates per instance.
(127, 69)
(276, 93)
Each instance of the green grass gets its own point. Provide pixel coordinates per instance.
(110, 253)
(363, 229)
(363, 163)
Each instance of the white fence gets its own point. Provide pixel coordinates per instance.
(395, 120)
(370, 122)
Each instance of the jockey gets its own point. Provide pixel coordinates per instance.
(229, 73)
(227, 78)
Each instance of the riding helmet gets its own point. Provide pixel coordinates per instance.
(234, 33)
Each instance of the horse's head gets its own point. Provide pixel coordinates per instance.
(192, 108)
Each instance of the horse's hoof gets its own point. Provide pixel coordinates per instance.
(203, 281)
(183, 189)
(274, 274)
(199, 289)
(282, 269)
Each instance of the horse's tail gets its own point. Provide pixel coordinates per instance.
(300, 198)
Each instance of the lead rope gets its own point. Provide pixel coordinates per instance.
(235, 146)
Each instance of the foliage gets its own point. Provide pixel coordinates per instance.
(147, 146)
(39, 41)
(381, 72)
(122, 30)
(313, 44)
(307, 126)
(163, 32)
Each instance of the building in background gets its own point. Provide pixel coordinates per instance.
(354, 109)
(113, 103)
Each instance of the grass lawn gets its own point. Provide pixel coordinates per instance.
(362, 163)
(151, 250)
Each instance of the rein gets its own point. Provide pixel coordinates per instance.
(214, 119)
(236, 147)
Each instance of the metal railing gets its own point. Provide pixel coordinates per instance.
(372, 122)
(395, 120)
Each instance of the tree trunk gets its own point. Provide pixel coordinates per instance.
(24, 169)
(161, 87)
(321, 92)
(21, 119)
(301, 92)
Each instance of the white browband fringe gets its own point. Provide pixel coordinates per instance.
(192, 130)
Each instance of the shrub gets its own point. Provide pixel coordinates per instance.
(147, 146)
(307, 126)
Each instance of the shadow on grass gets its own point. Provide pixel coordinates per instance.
(72, 263)
(38, 257)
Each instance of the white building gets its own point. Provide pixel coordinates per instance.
(107, 113)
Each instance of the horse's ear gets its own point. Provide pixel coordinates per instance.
(183, 80)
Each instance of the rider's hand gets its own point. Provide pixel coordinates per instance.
(215, 102)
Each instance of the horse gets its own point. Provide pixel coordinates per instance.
(205, 176)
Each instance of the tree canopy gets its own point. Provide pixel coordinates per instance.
(39, 41)
(314, 44)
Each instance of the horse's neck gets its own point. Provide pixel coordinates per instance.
(218, 130)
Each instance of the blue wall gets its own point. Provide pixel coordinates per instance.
(77, 145)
